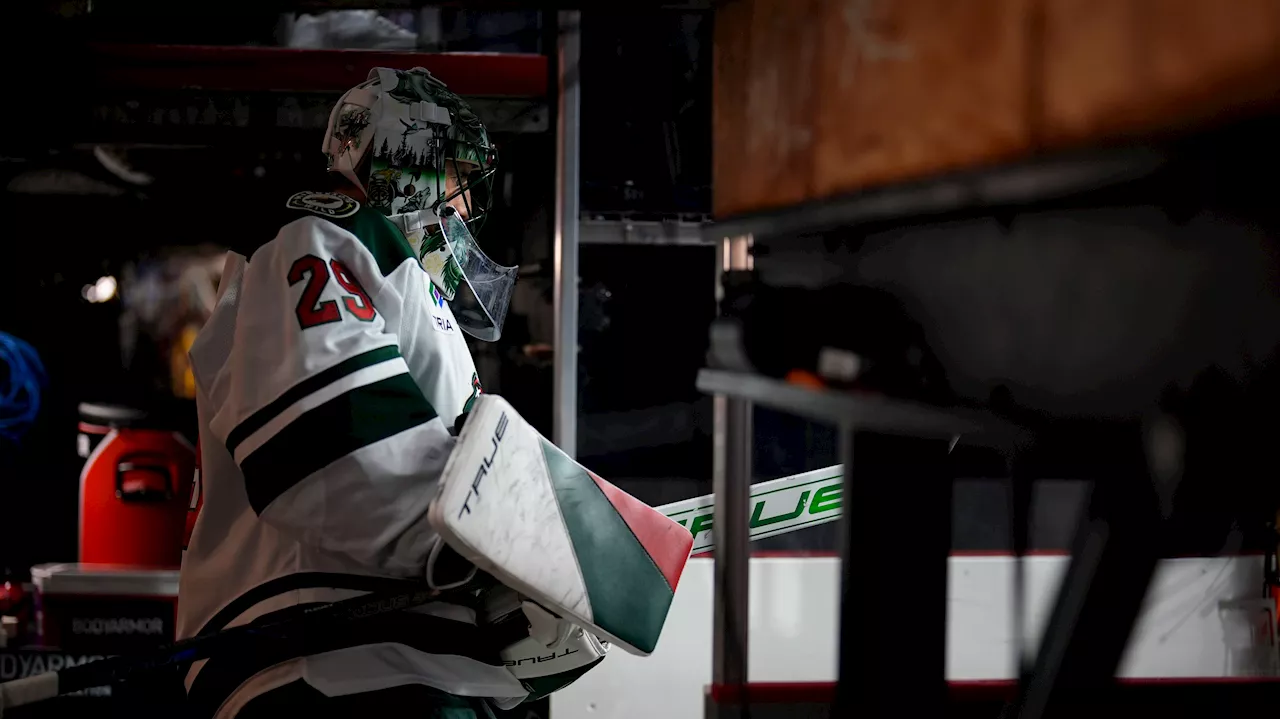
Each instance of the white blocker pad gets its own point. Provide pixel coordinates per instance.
(520, 509)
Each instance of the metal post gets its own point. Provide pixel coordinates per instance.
(565, 380)
(430, 29)
(732, 549)
(893, 592)
(731, 484)
(1118, 542)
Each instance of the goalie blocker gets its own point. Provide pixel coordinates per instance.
(579, 553)
(582, 562)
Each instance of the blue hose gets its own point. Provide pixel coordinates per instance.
(20, 386)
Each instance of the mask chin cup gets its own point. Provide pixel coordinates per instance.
(480, 303)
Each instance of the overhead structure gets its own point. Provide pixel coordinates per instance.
(1033, 211)
(190, 95)
(277, 69)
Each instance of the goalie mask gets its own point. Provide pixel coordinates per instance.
(424, 160)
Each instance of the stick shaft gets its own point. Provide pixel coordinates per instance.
(244, 638)
(777, 506)
(812, 497)
(28, 690)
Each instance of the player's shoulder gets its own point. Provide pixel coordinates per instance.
(332, 206)
(314, 212)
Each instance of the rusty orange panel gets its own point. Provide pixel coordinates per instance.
(818, 98)
(1126, 67)
(917, 87)
(823, 97)
(765, 101)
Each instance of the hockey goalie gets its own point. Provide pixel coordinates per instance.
(345, 448)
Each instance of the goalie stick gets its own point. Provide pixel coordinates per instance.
(114, 670)
(778, 506)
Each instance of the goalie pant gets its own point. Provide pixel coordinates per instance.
(326, 378)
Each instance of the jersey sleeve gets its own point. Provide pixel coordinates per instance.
(335, 440)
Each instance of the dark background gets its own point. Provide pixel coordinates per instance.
(646, 131)
(645, 153)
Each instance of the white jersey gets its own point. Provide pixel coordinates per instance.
(327, 378)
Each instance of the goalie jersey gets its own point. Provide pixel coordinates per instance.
(327, 378)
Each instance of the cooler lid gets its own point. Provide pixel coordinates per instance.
(112, 415)
(104, 579)
(165, 414)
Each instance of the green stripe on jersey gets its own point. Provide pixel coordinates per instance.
(312, 384)
(380, 236)
(333, 430)
(629, 595)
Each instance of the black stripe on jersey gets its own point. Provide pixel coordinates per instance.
(323, 435)
(306, 387)
(220, 676)
(300, 580)
(300, 699)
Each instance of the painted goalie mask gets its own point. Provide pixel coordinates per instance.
(424, 160)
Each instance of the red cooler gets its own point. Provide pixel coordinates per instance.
(104, 609)
(134, 488)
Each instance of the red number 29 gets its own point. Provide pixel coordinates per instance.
(362, 309)
(310, 311)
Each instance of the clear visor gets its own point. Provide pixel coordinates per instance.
(480, 303)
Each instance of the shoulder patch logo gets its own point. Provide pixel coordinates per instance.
(436, 298)
(442, 321)
(476, 391)
(325, 204)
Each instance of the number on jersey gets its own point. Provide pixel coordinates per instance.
(311, 311)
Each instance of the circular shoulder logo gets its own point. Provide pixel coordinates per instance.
(325, 204)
